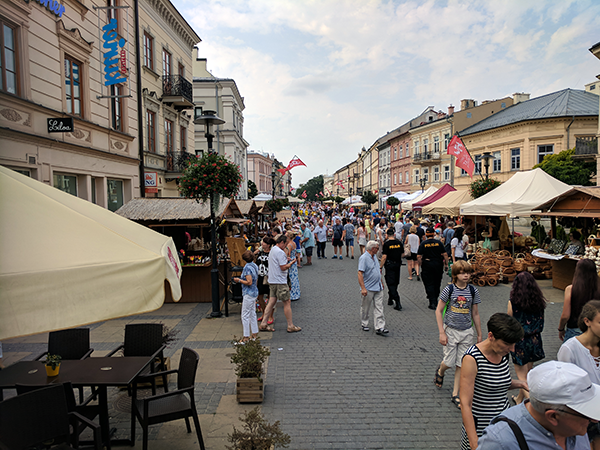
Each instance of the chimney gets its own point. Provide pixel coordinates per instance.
(440, 115)
(519, 97)
(450, 110)
(467, 103)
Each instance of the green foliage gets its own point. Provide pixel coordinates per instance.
(53, 361)
(392, 201)
(252, 189)
(369, 198)
(481, 187)
(277, 205)
(249, 358)
(560, 234)
(312, 187)
(563, 167)
(210, 174)
(338, 199)
(257, 433)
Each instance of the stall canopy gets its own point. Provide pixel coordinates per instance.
(263, 197)
(577, 202)
(295, 199)
(352, 200)
(420, 195)
(441, 192)
(521, 195)
(67, 262)
(449, 204)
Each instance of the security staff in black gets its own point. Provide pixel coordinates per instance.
(392, 260)
(433, 259)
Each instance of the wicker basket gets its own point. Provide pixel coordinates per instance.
(509, 274)
(548, 274)
(481, 282)
(519, 262)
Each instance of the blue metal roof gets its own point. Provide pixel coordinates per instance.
(565, 103)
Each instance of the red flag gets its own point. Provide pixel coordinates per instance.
(339, 183)
(282, 171)
(303, 195)
(295, 162)
(321, 194)
(463, 159)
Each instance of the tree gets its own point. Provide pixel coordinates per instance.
(252, 190)
(393, 202)
(369, 198)
(563, 167)
(338, 199)
(481, 187)
(312, 187)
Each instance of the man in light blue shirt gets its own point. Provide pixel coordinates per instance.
(308, 241)
(320, 234)
(371, 289)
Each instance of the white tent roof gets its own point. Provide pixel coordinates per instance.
(402, 196)
(353, 199)
(518, 196)
(263, 197)
(418, 196)
(67, 262)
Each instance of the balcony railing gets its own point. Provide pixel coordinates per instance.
(586, 146)
(177, 161)
(177, 86)
(427, 156)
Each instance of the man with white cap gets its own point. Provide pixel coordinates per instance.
(563, 402)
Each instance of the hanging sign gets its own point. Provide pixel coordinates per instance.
(60, 125)
(150, 179)
(113, 58)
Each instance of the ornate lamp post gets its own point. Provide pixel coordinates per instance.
(487, 157)
(209, 118)
(422, 182)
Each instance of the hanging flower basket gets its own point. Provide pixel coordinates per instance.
(210, 175)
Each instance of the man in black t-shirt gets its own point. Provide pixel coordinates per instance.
(392, 260)
(434, 262)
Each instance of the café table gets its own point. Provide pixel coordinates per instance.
(90, 372)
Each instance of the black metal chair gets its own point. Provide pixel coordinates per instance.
(40, 417)
(145, 339)
(179, 404)
(73, 343)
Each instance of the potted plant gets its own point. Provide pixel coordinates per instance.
(249, 359)
(52, 365)
(257, 433)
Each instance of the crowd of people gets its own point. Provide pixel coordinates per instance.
(558, 402)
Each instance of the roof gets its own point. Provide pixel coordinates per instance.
(565, 103)
(579, 201)
(164, 209)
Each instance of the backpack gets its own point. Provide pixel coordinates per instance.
(471, 289)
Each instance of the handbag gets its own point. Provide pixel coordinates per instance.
(407, 251)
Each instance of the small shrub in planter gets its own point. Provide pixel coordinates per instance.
(249, 359)
(257, 433)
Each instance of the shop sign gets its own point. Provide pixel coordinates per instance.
(113, 58)
(60, 125)
(151, 190)
(123, 61)
(51, 5)
(150, 179)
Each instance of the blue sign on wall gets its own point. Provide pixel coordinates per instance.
(52, 5)
(113, 44)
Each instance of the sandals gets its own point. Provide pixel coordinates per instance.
(267, 328)
(294, 329)
(439, 380)
(456, 400)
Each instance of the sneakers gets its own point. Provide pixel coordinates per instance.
(382, 331)
(418, 278)
(341, 257)
(352, 257)
(334, 257)
(365, 328)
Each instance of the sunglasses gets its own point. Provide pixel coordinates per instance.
(576, 414)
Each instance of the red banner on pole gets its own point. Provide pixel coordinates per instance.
(303, 195)
(282, 171)
(463, 158)
(295, 162)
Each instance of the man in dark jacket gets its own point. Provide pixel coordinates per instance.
(433, 259)
(391, 259)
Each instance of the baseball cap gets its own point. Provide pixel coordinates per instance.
(562, 383)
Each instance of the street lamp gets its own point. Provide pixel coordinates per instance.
(422, 182)
(209, 118)
(487, 157)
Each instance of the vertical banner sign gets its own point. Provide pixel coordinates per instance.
(112, 59)
(463, 158)
(123, 61)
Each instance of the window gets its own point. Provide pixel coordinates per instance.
(8, 59)
(463, 172)
(425, 145)
(469, 115)
(515, 158)
(168, 136)
(446, 173)
(148, 51)
(544, 150)
(416, 176)
(497, 161)
(181, 70)
(110, 12)
(446, 140)
(73, 86)
(502, 105)
(395, 154)
(151, 131)
(115, 194)
(407, 177)
(592, 87)
(183, 138)
(166, 63)
(116, 107)
(426, 173)
(395, 179)
(436, 144)
(416, 150)
(436, 174)
(66, 183)
(478, 164)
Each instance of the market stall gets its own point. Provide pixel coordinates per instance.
(418, 196)
(449, 205)
(187, 222)
(440, 193)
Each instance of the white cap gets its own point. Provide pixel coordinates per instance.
(562, 383)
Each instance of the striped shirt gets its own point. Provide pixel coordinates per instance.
(459, 312)
(489, 393)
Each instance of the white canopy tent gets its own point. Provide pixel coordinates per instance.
(67, 262)
(294, 199)
(400, 195)
(263, 197)
(418, 196)
(352, 200)
(518, 196)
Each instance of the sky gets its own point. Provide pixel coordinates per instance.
(321, 79)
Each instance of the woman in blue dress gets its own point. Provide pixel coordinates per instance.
(293, 270)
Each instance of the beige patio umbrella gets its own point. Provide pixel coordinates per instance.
(67, 262)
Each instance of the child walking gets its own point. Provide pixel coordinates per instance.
(249, 278)
(456, 314)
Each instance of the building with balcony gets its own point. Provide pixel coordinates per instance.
(68, 116)
(222, 96)
(595, 50)
(260, 166)
(520, 136)
(167, 44)
(384, 176)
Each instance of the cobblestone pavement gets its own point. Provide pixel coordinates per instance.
(332, 385)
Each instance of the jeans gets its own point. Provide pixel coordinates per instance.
(571, 333)
(321, 249)
(392, 279)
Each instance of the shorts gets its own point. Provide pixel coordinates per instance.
(263, 289)
(459, 342)
(412, 257)
(309, 251)
(337, 243)
(350, 242)
(279, 291)
(362, 241)
(298, 251)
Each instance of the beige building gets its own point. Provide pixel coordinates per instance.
(167, 44)
(520, 136)
(328, 184)
(222, 96)
(260, 166)
(59, 124)
(595, 49)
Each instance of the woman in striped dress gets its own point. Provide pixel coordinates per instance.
(485, 377)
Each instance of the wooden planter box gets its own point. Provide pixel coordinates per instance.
(249, 390)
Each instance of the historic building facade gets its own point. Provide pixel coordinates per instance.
(260, 166)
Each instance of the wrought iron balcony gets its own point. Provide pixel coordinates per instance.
(178, 91)
(426, 158)
(586, 147)
(177, 161)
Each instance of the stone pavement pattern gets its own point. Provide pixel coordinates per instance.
(332, 385)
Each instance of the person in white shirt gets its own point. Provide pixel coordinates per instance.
(320, 233)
